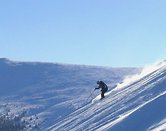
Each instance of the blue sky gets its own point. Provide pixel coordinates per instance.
(116, 33)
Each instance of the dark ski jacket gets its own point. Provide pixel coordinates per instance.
(103, 86)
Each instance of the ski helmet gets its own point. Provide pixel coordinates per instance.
(98, 82)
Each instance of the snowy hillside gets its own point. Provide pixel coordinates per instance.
(50, 91)
(138, 104)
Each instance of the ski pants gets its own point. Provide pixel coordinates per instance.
(102, 92)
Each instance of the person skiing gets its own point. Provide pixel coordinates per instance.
(103, 87)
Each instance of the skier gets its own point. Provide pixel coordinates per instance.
(103, 87)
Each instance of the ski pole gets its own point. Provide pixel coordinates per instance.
(90, 95)
(88, 98)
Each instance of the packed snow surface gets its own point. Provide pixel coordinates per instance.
(137, 104)
(58, 97)
(51, 91)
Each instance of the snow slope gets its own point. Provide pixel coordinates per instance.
(50, 91)
(137, 104)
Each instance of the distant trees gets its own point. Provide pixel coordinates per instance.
(12, 122)
(18, 122)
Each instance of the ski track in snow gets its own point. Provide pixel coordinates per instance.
(119, 104)
(52, 90)
(138, 103)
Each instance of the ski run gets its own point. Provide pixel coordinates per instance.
(57, 95)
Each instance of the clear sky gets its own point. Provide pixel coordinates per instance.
(115, 33)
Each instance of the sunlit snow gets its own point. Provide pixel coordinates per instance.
(58, 96)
